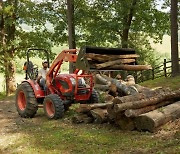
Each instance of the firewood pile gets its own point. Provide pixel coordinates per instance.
(131, 106)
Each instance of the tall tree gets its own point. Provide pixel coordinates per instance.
(13, 40)
(174, 38)
(71, 29)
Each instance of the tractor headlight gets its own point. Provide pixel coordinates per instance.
(73, 81)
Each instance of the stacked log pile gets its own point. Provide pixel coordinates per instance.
(142, 108)
(115, 62)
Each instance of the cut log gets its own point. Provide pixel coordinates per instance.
(100, 115)
(148, 101)
(151, 121)
(142, 89)
(110, 63)
(104, 58)
(102, 79)
(125, 123)
(130, 67)
(84, 108)
(108, 98)
(82, 118)
(111, 112)
(101, 87)
(137, 112)
(134, 97)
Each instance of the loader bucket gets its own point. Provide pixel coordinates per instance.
(82, 62)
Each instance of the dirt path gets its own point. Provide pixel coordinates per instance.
(8, 124)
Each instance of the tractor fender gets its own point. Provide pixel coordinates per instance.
(39, 93)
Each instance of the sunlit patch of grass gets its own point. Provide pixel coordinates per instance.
(173, 83)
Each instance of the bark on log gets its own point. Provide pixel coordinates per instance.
(110, 63)
(101, 87)
(104, 58)
(137, 112)
(84, 108)
(134, 97)
(100, 115)
(102, 79)
(130, 67)
(125, 123)
(121, 87)
(151, 121)
(82, 118)
(148, 101)
(111, 112)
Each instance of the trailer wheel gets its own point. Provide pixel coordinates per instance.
(26, 103)
(94, 98)
(53, 106)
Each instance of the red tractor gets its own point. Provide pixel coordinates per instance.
(62, 89)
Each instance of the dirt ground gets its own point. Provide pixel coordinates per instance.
(11, 123)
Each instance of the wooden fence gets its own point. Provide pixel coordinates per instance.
(160, 71)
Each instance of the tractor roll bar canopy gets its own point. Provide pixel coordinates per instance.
(82, 62)
(36, 49)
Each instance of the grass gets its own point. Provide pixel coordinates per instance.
(173, 83)
(63, 137)
(40, 135)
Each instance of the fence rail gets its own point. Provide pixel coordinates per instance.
(160, 71)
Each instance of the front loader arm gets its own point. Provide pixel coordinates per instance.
(65, 55)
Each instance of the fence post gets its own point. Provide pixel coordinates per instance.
(153, 74)
(165, 72)
(142, 77)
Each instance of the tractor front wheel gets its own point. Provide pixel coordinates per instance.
(26, 103)
(53, 106)
(94, 98)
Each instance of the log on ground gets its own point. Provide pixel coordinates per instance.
(152, 121)
(84, 108)
(99, 115)
(82, 118)
(137, 112)
(148, 101)
(101, 87)
(125, 123)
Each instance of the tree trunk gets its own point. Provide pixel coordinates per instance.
(127, 24)
(174, 38)
(137, 112)
(71, 29)
(10, 76)
(151, 121)
(8, 36)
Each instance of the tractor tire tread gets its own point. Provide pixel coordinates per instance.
(31, 103)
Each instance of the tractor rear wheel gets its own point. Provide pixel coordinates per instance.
(94, 98)
(26, 103)
(53, 106)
